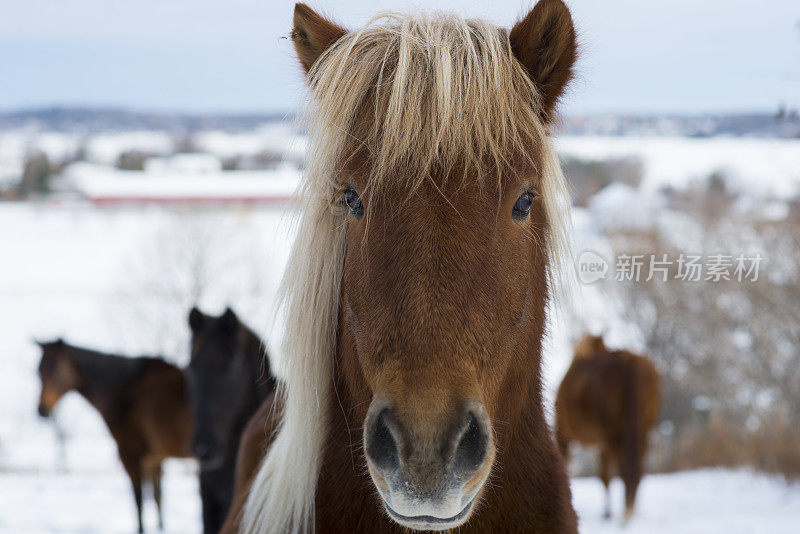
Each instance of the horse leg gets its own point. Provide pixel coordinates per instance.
(156, 476)
(210, 507)
(606, 472)
(133, 466)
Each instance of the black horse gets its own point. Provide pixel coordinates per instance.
(229, 377)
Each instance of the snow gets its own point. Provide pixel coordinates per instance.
(96, 502)
(764, 167)
(16, 144)
(97, 277)
(280, 137)
(116, 279)
(201, 163)
(106, 148)
(66, 270)
(694, 502)
(100, 182)
(637, 211)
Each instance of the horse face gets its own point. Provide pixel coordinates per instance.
(438, 300)
(216, 378)
(444, 283)
(57, 373)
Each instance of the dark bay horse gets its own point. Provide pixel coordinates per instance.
(143, 401)
(252, 449)
(432, 212)
(229, 377)
(609, 399)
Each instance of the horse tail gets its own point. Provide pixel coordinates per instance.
(631, 432)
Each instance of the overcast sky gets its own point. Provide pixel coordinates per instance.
(228, 55)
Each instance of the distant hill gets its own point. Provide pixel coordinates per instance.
(782, 125)
(92, 120)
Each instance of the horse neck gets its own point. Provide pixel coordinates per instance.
(261, 380)
(101, 376)
(529, 481)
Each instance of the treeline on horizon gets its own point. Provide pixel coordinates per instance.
(783, 123)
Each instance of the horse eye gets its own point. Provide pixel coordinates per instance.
(353, 203)
(523, 205)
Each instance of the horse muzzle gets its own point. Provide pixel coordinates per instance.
(429, 479)
(208, 453)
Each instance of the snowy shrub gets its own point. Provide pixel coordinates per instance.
(735, 343)
(587, 177)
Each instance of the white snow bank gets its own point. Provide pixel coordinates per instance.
(620, 206)
(106, 148)
(694, 502)
(279, 137)
(766, 167)
(97, 182)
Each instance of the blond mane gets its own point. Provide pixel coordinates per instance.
(439, 92)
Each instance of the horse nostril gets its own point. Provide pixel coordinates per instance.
(381, 445)
(472, 446)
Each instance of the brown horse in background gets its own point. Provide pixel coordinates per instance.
(609, 399)
(143, 401)
(432, 212)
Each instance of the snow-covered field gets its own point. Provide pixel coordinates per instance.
(697, 502)
(98, 502)
(120, 280)
(694, 502)
(123, 278)
(767, 168)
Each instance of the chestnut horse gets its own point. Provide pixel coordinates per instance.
(143, 401)
(432, 212)
(609, 399)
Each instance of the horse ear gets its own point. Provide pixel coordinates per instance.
(229, 320)
(312, 34)
(196, 319)
(545, 43)
(40, 343)
(599, 343)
